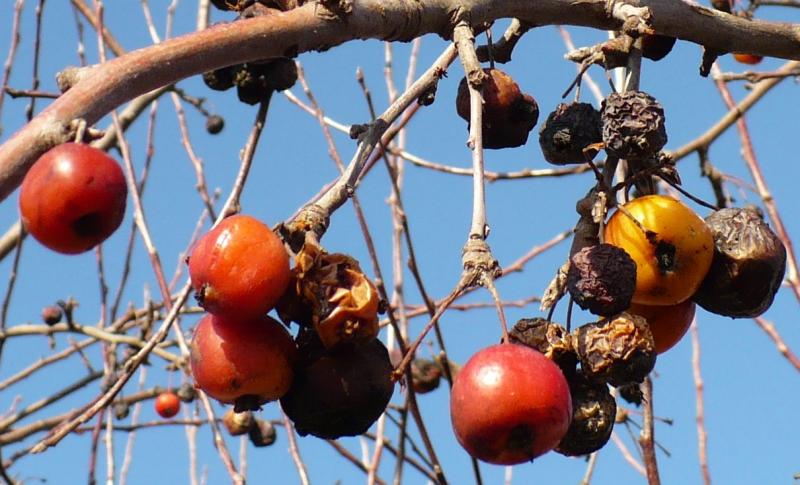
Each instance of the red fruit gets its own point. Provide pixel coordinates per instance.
(239, 269)
(246, 362)
(668, 324)
(510, 404)
(167, 404)
(750, 59)
(73, 198)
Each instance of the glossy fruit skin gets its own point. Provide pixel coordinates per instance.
(668, 323)
(671, 264)
(239, 268)
(237, 360)
(73, 198)
(510, 404)
(749, 59)
(167, 404)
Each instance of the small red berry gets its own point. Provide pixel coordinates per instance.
(167, 404)
(749, 59)
(73, 198)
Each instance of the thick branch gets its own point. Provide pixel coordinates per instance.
(312, 27)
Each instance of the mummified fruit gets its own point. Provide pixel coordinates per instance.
(509, 404)
(508, 114)
(656, 47)
(551, 339)
(338, 392)
(238, 424)
(617, 350)
(602, 279)
(748, 265)
(425, 375)
(594, 410)
(568, 131)
(262, 433)
(633, 125)
(331, 293)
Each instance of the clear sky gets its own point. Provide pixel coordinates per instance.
(751, 391)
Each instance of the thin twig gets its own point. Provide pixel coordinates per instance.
(702, 436)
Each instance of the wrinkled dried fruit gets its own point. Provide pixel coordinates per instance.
(330, 293)
(568, 130)
(262, 434)
(508, 114)
(602, 279)
(338, 392)
(186, 393)
(121, 409)
(280, 74)
(594, 411)
(633, 125)
(631, 393)
(618, 351)
(214, 124)
(748, 265)
(425, 375)
(219, 79)
(656, 47)
(238, 424)
(551, 339)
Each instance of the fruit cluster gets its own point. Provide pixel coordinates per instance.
(335, 379)
(642, 273)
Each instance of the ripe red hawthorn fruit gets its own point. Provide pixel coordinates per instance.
(749, 59)
(73, 198)
(510, 404)
(239, 269)
(245, 362)
(167, 404)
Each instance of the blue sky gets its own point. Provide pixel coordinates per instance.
(750, 389)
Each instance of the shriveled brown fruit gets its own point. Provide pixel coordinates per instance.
(508, 114)
(52, 314)
(425, 375)
(330, 293)
(594, 411)
(551, 339)
(220, 79)
(262, 433)
(618, 350)
(748, 265)
(338, 392)
(238, 423)
(602, 279)
(568, 131)
(631, 393)
(656, 47)
(633, 125)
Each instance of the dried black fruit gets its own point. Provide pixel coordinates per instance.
(280, 74)
(52, 314)
(618, 351)
(220, 79)
(338, 392)
(656, 47)
(633, 125)
(551, 339)
(594, 411)
(631, 393)
(425, 375)
(567, 131)
(602, 279)
(722, 5)
(121, 409)
(214, 124)
(262, 434)
(251, 84)
(748, 266)
(186, 393)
